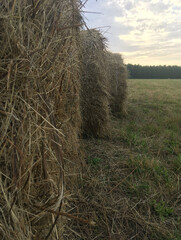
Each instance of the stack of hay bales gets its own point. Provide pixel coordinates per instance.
(39, 113)
(117, 83)
(94, 81)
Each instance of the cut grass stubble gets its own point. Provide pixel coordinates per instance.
(131, 188)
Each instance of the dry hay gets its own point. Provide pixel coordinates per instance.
(39, 113)
(94, 96)
(118, 83)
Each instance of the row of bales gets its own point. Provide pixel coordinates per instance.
(57, 84)
(103, 85)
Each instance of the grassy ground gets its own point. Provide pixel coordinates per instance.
(131, 188)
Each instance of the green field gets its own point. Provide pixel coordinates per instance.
(131, 189)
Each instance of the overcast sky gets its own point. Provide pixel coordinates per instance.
(146, 32)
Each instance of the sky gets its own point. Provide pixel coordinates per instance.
(146, 32)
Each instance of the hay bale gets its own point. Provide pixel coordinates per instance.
(117, 83)
(39, 113)
(94, 95)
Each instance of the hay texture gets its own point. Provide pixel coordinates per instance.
(39, 113)
(117, 83)
(94, 95)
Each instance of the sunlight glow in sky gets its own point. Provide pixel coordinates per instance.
(146, 32)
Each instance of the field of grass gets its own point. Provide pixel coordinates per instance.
(131, 187)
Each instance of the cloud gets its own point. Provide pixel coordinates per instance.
(143, 28)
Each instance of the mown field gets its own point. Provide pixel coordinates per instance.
(131, 189)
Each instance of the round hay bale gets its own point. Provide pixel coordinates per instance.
(39, 113)
(117, 83)
(94, 94)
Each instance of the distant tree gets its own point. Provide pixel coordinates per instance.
(137, 71)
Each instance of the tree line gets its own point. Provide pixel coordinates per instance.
(154, 72)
